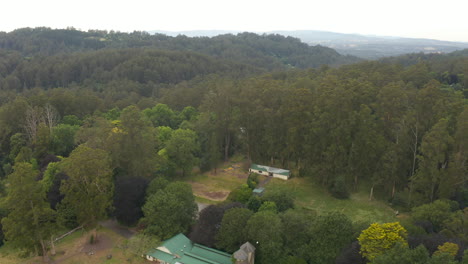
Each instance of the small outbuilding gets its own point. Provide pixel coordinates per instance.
(258, 191)
(270, 171)
(245, 255)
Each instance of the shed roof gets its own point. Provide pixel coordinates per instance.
(180, 249)
(247, 247)
(259, 190)
(270, 169)
(243, 252)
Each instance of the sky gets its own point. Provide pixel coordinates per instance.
(444, 20)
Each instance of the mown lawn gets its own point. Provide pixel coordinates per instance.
(307, 194)
(311, 196)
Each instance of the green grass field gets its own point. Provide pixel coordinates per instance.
(307, 194)
(314, 197)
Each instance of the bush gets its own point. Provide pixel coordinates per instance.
(240, 194)
(283, 199)
(436, 213)
(338, 189)
(268, 206)
(401, 200)
(252, 181)
(254, 203)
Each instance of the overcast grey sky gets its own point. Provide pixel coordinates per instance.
(445, 20)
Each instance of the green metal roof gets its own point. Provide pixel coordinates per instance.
(182, 250)
(212, 254)
(270, 169)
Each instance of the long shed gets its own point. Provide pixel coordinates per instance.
(270, 171)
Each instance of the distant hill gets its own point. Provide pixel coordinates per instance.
(372, 47)
(367, 47)
(270, 52)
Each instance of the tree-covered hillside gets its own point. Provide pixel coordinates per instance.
(264, 51)
(119, 119)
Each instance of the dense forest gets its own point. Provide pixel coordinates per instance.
(107, 120)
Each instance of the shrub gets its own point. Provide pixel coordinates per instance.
(338, 188)
(252, 181)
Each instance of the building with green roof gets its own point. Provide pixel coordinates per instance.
(258, 191)
(180, 250)
(270, 171)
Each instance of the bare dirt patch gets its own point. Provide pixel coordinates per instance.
(234, 170)
(216, 185)
(101, 243)
(203, 191)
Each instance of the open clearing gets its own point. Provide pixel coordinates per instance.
(314, 197)
(214, 188)
(210, 188)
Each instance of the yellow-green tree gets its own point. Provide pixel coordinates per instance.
(447, 248)
(380, 237)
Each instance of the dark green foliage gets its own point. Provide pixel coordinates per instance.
(233, 233)
(53, 194)
(254, 203)
(262, 229)
(129, 197)
(465, 257)
(252, 180)
(169, 211)
(436, 213)
(432, 242)
(331, 233)
(404, 255)
(63, 139)
(66, 216)
(155, 185)
(71, 120)
(162, 115)
(133, 144)
(283, 199)
(269, 51)
(30, 221)
(182, 149)
(241, 194)
(296, 232)
(112, 114)
(351, 255)
(292, 260)
(268, 206)
(3, 213)
(90, 170)
(209, 223)
(17, 141)
(338, 188)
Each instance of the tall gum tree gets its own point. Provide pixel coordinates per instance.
(433, 160)
(89, 188)
(31, 221)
